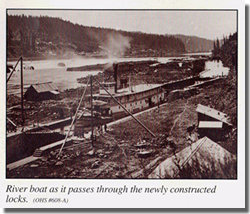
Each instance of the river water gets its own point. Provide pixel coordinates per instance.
(214, 69)
(48, 70)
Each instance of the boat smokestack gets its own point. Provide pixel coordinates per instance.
(115, 68)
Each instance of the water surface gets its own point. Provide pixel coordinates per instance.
(50, 71)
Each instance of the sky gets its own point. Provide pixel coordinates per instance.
(205, 24)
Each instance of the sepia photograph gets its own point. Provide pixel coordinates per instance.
(121, 94)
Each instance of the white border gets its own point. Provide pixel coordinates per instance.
(230, 193)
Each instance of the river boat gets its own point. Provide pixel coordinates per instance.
(113, 96)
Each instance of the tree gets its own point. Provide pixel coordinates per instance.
(64, 34)
(217, 44)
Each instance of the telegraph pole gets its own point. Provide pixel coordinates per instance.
(74, 118)
(91, 104)
(22, 91)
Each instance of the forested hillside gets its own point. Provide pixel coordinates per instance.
(227, 52)
(227, 98)
(46, 36)
(196, 44)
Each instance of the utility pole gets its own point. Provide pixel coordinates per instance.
(22, 91)
(74, 118)
(91, 103)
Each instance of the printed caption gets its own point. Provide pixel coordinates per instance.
(18, 194)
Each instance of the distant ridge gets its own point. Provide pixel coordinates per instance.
(42, 37)
(195, 44)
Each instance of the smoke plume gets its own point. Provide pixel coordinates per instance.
(115, 45)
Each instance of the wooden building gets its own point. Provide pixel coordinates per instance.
(213, 129)
(42, 91)
(206, 113)
(212, 123)
(202, 159)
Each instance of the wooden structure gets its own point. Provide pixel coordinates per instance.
(86, 121)
(213, 129)
(180, 93)
(202, 159)
(21, 80)
(212, 123)
(42, 91)
(101, 116)
(142, 97)
(206, 113)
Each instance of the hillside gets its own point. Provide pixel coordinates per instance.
(226, 100)
(227, 52)
(195, 44)
(47, 36)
